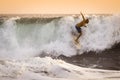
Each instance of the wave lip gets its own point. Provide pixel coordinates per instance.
(35, 20)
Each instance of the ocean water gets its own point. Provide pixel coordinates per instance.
(28, 44)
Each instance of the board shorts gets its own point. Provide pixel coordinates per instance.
(78, 29)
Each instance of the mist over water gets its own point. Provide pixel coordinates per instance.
(54, 37)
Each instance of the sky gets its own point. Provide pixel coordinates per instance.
(59, 6)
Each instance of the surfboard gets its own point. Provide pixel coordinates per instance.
(77, 44)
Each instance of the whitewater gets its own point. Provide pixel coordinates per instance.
(29, 47)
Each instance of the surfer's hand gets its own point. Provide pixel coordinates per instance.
(85, 26)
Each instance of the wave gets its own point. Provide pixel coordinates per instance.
(53, 36)
(108, 59)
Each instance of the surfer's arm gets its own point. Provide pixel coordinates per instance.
(83, 17)
(85, 26)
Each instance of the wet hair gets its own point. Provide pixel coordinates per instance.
(87, 21)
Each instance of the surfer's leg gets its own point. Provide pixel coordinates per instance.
(78, 37)
(80, 33)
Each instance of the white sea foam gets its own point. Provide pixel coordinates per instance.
(55, 38)
(20, 40)
(49, 69)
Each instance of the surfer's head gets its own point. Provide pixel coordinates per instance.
(87, 21)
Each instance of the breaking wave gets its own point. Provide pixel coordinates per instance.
(28, 37)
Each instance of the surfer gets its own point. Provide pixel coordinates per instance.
(79, 25)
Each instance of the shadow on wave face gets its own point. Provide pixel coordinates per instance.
(108, 59)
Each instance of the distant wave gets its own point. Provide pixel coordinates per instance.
(35, 20)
